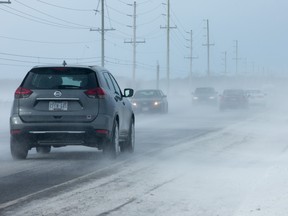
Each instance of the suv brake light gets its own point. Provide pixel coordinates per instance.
(95, 93)
(22, 93)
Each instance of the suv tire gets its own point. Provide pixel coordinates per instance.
(19, 151)
(128, 146)
(112, 148)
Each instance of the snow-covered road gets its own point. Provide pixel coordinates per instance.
(191, 162)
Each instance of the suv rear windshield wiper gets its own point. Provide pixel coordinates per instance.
(69, 87)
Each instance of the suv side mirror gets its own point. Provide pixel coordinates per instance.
(128, 92)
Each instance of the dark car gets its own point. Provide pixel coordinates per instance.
(76, 105)
(233, 99)
(205, 95)
(150, 100)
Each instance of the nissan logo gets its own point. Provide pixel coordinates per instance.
(57, 94)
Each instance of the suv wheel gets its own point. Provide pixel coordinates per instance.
(43, 149)
(130, 143)
(19, 151)
(112, 148)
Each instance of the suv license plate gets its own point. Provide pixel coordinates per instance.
(58, 106)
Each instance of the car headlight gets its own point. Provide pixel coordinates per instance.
(156, 103)
(134, 103)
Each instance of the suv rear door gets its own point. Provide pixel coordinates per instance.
(60, 94)
(120, 102)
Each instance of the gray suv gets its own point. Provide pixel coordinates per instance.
(71, 105)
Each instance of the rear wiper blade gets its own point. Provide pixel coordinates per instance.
(68, 87)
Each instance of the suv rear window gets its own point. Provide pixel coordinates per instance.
(60, 78)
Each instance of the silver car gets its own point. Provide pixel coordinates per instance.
(71, 105)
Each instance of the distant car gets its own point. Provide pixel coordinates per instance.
(256, 97)
(58, 106)
(205, 95)
(233, 99)
(150, 100)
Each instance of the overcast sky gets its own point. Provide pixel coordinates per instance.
(37, 32)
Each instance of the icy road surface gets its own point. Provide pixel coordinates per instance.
(195, 162)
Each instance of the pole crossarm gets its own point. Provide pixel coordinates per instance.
(194, 57)
(171, 27)
(131, 41)
(99, 29)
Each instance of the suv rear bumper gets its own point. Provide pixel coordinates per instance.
(93, 134)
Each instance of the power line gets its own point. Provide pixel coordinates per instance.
(66, 8)
(144, 2)
(108, 15)
(150, 10)
(41, 57)
(151, 21)
(50, 15)
(178, 39)
(22, 61)
(47, 42)
(183, 28)
(118, 11)
(40, 20)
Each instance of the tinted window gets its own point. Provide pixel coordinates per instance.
(108, 82)
(116, 86)
(60, 78)
(147, 94)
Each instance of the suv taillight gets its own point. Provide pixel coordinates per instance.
(95, 93)
(22, 92)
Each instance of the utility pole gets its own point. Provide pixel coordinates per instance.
(253, 68)
(225, 62)
(134, 42)
(102, 34)
(102, 30)
(191, 58)
(5, 2)
(208, 48)
(157, 75)
(236, 56)
(168, 27)
(245, 65)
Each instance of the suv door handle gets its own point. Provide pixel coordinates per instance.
(117, 98)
